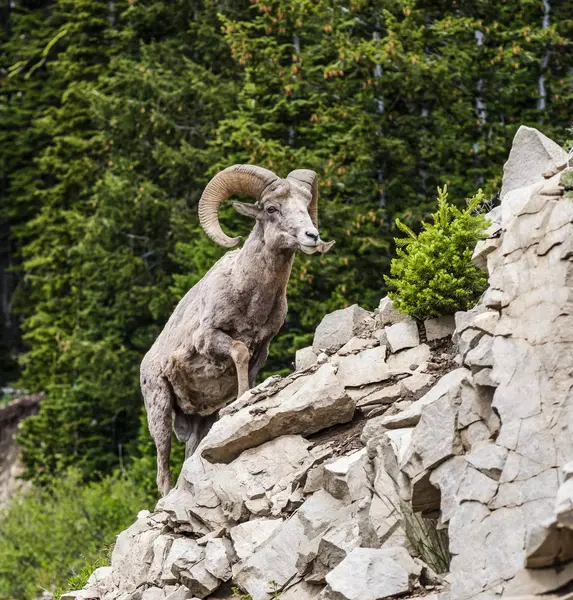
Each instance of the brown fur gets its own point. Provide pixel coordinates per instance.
(217, 339)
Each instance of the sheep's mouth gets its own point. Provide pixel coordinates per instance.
(308, 249)
(322, 247)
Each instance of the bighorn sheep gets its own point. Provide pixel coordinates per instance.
(215, 342)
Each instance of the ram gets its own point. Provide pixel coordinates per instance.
(217, 339)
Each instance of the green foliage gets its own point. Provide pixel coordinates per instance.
(49, 535)
(80, 579)
(426, 540)
(433, 274)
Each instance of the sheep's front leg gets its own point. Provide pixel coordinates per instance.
(241, 356)
(217, 344)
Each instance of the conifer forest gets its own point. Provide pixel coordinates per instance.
(114, 114)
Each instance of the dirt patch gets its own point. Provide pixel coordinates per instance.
(344, 438)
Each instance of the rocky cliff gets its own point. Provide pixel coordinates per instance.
(10, 468)
(397, 460)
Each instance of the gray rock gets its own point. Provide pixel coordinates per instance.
(185, 552)
(261, 476)
(357, 344)
(276, 559)
(218, 557)
(338, 328)
(320, 403)
(333, 548)
(372, 574)
(447, 386)
(304, 358)
(436, 437)
(387, 314)
(369, 366)
(532, 154)
(133, 553)
(302, 591)
(180, 593)
(403, 335)
(248, 536)
(153, 593)
(416, 383)
(81, 595)
(372, 396)
(409, 360)
(196, 578)
(346, 478)
(439, 328)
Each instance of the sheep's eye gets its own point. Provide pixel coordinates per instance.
(271, 210)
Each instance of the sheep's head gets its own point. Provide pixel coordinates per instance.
(286, 209)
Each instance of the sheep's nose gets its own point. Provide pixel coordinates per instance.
(312, 234)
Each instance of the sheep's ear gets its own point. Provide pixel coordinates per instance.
(249, 210)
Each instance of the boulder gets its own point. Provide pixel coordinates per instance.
(248, 536)
(403, 335)
(218, 556)
(260, 476)
(439, 328)
(372, 574)
(338, 328)
(133, 553)
(346, 478)
(447, 387)
(387, 314)
(409, 360)
(357, 344)
(369, 366)
(277, 558)
(304, 358)
(319, 403)
(196, 578)
(185, 552)
(532, 154)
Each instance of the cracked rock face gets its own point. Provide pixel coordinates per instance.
(306, 487)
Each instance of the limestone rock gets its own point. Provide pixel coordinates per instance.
(409, 360)
(276, 559)
(357, 344)
(304, 358)
(183, 550)
(347, 477)
(248, 536)
(369, 366)
(416, 383)
(387, 314)
(196, 578)
(255, 480)
(321, 402)
(403, 335)
(448, 386)
(372, 574)
(302, 591)
(181, 593)
(338, 328)
(439, 328)
(133, 553)
(218, 557)
(532, 154)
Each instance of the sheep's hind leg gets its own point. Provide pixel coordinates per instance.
(159, 413)
(199, 427)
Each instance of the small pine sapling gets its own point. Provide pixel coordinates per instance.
(432, 274)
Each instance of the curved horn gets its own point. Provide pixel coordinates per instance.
(310, 180)
(238, 179)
